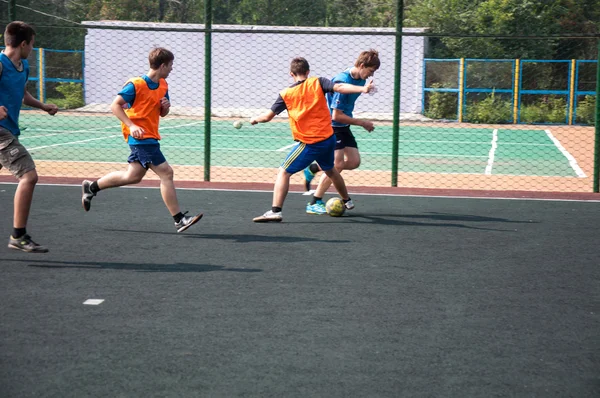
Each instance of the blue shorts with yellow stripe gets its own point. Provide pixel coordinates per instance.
(302, 155)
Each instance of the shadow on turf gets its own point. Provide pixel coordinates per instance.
(397, 219)
(242, 238)
(140, 267)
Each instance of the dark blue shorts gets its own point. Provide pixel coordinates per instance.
(302, 155)
(146, 155)
(344, 138)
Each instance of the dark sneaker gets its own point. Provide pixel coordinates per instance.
(308, 177)
(268, 217)
(25, 244)
(187, 221)
(86, 195)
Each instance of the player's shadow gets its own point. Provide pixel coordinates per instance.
(138, 267)
(242, 238)
(428, 220)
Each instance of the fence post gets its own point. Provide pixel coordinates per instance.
(41, 76)
(397, 85)
(207, 86)
(461, 89)
(571, 92)
(12, 10)
(516, 91)
(597, 135)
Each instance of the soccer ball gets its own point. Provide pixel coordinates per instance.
(335, 207)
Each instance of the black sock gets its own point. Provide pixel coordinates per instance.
(94, 187)
(177, 217)
(347, 200)
(19, 232)
(314, 200)
(313, 168)
(276, 209)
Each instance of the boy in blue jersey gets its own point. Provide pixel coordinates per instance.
(139, 106)
(14, 73)
(347, 156)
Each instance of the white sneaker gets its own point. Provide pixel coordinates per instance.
(349, 205)
(268, 217)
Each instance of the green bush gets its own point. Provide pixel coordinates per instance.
(72, 93)
(586, 110)
(549, 110)
(490, 110)
(441, 105)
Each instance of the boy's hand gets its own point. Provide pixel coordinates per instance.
(136, 131)
(164, 104)
(253, 121)
(368, 125)
(50, 108)
(3, 112)
(369, 87)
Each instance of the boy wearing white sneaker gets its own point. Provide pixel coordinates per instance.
(310, 122)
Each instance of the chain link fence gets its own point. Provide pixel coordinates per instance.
(464, 123)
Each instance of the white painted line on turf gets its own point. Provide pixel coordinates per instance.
(570, 158)
(286, 148)
(93, 301)
(72, 142)
(492, 154)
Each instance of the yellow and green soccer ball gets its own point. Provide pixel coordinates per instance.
(335, 207)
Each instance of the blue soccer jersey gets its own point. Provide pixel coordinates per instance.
(12, 90)
(344, 102)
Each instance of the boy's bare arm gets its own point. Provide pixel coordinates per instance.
(345, 88)
(117, 109)
(29, 100)
(264, 118)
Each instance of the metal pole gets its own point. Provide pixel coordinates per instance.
(397, 86)
(12, 10)
(597, 138)
(207, 86)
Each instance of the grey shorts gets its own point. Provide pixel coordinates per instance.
(13, 155)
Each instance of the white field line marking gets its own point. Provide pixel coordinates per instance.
(285, 148)
(570, 158)
(492, 154)
(70, 143)
(63, 131)
(93, 301)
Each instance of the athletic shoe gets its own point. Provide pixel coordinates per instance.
(308, 177)
(349, 205)
(317, 208)
(187, 221)
(268, 217)
(25, 244)
(86, 195)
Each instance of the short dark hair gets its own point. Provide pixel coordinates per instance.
(370, 59)
(16, 33)
(159, 56)
(299, 66)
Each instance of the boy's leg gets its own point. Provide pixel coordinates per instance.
(23, 198)
(346, 159)
(167, 186)
(338, 183)
(134, 174)
(19, 162)
(300, 157)
(169, 195)
(282, 186)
